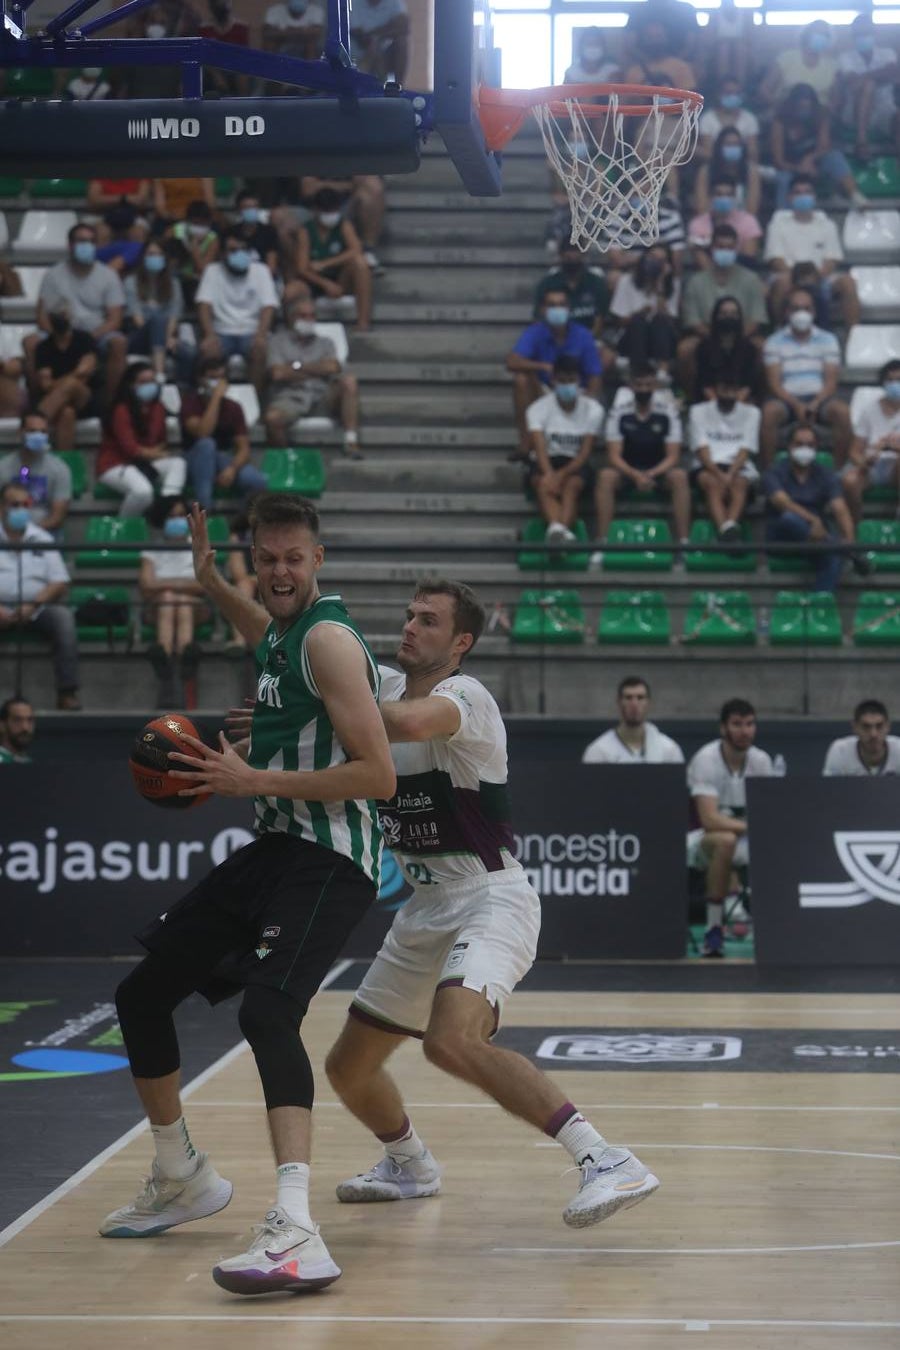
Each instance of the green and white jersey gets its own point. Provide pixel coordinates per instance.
(292, 731)
(10, 757)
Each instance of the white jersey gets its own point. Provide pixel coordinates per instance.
(449, 818)
(611, 749)
(842, 759)
(725, 435)
(709, 776)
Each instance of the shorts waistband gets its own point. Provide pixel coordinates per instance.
(470, 885)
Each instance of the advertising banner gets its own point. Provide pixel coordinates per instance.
(826, 870)
(84, 862)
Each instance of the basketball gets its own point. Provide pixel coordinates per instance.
(149, 761)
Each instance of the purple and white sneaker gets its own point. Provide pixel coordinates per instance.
(394, 1179)
(281, 1256)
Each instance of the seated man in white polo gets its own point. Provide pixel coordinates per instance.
(634, 740)
(871, 751)
(717, 783)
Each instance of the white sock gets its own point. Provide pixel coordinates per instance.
(579, 1138)
(714, 913)
(175, 1154)
(293, 1193)
(409, 1145)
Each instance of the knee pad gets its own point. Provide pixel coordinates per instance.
(270, 1020)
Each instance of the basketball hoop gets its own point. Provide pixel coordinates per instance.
(612, 145)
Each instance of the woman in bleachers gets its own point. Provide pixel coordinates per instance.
(801, 143)
(134, 458)
(173, 599)
(729, 162)
(154, 304)
(728, 111)
(645, 302)
(725, 353)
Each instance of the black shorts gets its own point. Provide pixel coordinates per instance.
(585, 473)
(276, 913)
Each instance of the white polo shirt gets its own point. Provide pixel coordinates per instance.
(842, 759)
(41, 565)
(611, 749)
(709, 776)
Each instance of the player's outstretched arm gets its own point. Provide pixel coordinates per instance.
(421, 719)
(249, 618)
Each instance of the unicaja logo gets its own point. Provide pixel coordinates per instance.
(871, 858)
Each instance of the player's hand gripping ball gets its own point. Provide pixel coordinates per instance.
(149, 761)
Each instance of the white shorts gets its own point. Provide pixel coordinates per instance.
(697, 859)
(480, 933)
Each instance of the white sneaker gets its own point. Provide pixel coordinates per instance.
(615, 1181)
(394, 1179)
(164, 1203)
(556, 533)
(282, 1255)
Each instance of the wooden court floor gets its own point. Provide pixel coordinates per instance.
(777, 1223)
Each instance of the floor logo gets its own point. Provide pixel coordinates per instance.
(50, 1058)
(649, 1048)
(871, 858)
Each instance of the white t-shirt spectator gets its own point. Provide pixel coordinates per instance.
(171, 564)
(88, 298)
(366, 17)
(842, 759)
(815, 240)
(280, 17)
(41, 566)
(236, 298)
(724, 434)
(565, 429)
(611, 749)
(711, 123)
(802, 360)
(873, 424)
(628, 299)
(854, 63)
(709, 776)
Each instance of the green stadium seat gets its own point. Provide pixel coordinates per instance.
(886, 532)
(877, 177)
(717, 618)
(25, 82)
(876, 622)
(295, 470)
(654, 536)
(805, 618)
(635, 616)
(555, 617)
(701, 557)
(77, 468)
(59, 187)
(224, 188)
(95, 632)
(12, 187)
(102, 536)
(540, 559)
(880, 494)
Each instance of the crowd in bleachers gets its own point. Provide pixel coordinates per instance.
(719, 351)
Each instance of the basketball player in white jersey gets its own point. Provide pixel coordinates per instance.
(635, 740)
(467, 935)
(871, 751)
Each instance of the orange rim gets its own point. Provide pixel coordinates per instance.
(502, 111)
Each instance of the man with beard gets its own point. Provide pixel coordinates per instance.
(16, 730)
(468, 934)
(871, 751)
(717, 782)
(635, 740)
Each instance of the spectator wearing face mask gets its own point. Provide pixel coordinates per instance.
(236, 302)
(33, 586)
(216, 441)
(724, 440)
(155, 22)
(810, 62)
(45, 476)
(330, 257)
(804, 235)
(91, 294)
(224, 27)
(803, 365)
(724, 210)
(800, 497)
(294, 28)
(306, 380)
(89, 83)
(532, 359)
(725, 352)
(174, 601)
(867, 70)
(195, 244)
(646, 302)
(643, 451)
(134, 458)
(121, 236)
(722, 276)
(730, 168)
(564, 426)
(155, 305)
(726, 111)
(379, 37)
(873, 458)
(259, 237)
(801, 148)
(65, 378)
(592, 65)
(586, 289)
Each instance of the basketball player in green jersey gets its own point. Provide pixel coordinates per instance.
(271, 919)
